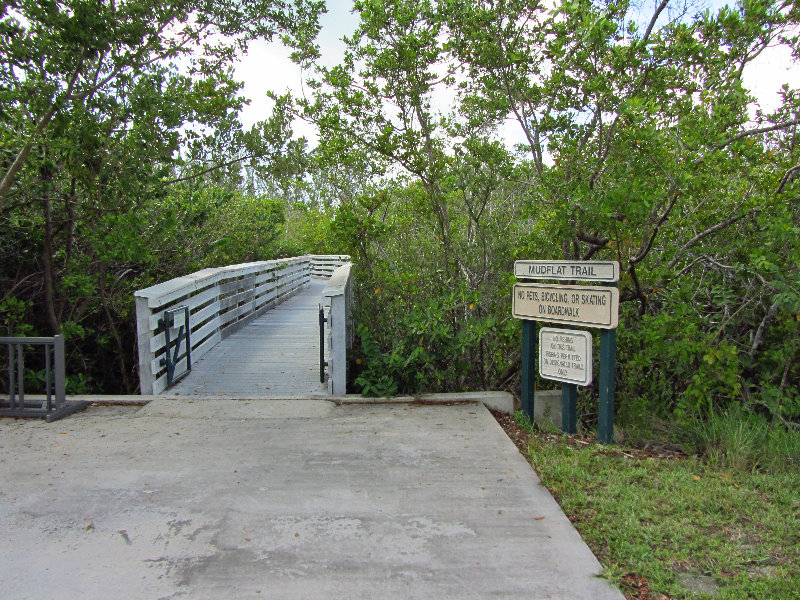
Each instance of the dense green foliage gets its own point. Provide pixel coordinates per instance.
(120, 148)
(123, 163)
(642, 146)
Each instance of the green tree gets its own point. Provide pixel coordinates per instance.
(379, 101)
(657, 161)
(104, 106)
(643, 145)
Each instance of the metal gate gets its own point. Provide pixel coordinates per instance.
(322, 362)
(172, 355)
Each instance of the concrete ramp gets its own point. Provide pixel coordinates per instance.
(225, 409)
(350, 501)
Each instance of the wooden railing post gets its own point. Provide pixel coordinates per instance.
(338, 291)
(144, 335)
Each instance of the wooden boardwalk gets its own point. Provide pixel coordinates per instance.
(276, 354)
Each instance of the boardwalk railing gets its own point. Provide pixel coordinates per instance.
(324, 266)
(219, 302)
(339, 296)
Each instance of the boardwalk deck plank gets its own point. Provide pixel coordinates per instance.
(276, 354)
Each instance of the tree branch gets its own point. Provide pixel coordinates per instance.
(208, 170)
(787, 178)
(644, 250)
(713, 229)
(591, 239)
(744, 134)
(652, 24)
(758, 338)
(591, 252)
(639, 292)
(687, 267)
(22, 155)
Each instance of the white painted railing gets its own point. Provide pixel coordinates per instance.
(220, 301)
(339, 297)
(324, 265)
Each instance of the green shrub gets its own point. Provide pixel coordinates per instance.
(672, 367)
(440, 344)
(740, 440)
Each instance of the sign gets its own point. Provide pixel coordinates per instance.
(565, 355)
(590, 306)
(579, 270)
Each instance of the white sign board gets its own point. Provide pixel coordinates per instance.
(565, 355)
(590, 306)
(578, 270)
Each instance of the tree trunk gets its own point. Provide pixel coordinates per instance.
(126, 382)
(49, 269)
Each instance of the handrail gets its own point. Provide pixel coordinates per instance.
(323, 265)
(220, 300)
(340, 296)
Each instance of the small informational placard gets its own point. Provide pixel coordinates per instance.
(565, 355)
(577, 270)
(590, 306)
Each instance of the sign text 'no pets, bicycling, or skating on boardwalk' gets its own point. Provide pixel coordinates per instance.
(585, 305)
(565, 355)
(596, 270)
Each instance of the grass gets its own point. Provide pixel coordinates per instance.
(678, 528)
(743, 441)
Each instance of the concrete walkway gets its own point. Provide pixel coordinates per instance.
(275, 354)
(281, 499)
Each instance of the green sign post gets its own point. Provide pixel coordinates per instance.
(566, 360)
(569, 408)
(528, 371)
(608, 364)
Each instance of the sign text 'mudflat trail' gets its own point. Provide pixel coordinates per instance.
(596, 270)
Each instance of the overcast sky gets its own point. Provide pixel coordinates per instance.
(267, 67)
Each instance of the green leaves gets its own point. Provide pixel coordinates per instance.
(103, 106)
(433, 348)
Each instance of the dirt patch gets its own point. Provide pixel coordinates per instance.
(519, 436)
(522, 439)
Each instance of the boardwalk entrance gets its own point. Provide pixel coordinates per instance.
(253, 329)
(275, 354)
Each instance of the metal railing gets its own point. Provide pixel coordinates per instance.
(51, 405)
(322, 362)
(172, 344)
(219, 302)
